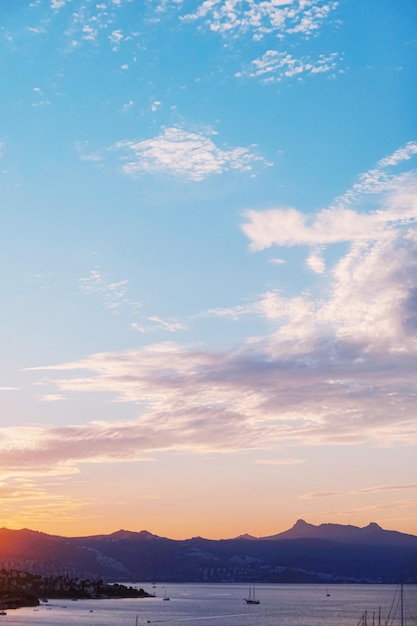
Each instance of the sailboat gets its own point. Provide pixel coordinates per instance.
(396, 612)
(166, 597)
(251, 599)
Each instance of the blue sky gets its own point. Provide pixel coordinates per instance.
(208, 264)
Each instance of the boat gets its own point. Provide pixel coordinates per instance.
(395, 615)
(166, 597)
(396, 611)
(251, 599)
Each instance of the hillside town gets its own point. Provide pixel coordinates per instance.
(18, 589)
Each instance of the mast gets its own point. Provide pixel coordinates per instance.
(402, 601)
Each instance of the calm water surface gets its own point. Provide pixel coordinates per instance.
(224, 605)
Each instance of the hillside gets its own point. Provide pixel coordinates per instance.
(303, 554)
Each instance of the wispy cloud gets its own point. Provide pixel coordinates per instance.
(157, 324)
(271, 306)
(112, 294)
(383, 488)
(171, 326)
(402, 154)
(22, 492)
(381, 179)
(207, 401)
(51, 397)
(279, 462)
(366, 491)
(321, 494)
(392, 505)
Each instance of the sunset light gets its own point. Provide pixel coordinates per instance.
(208, 253)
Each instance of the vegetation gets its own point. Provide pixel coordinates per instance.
(19, 589)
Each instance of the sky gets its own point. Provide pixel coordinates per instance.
(208, 265)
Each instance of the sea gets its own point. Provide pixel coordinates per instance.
(224, 605)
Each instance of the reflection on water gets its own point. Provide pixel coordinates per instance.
(194, 604)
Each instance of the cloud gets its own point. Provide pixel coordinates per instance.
(35, 30)
(289, 227)
(379, 179)
(275, 66)
(315, 262)
(182, 153)
(21, 492)
(259, 396)
(41, 100)
(82, 22)
(261, 18)
(271, 306)
(158, 324)
(98, 24)
(51, 397)
(58, 4)
(369, 305)
(402, 154)
(383, 488)
(127, 106)
(337, 367)
(396, 196)
(366, 491)
(116, 37)
(275, 21)
(139, 328)
(321, 494)
(113, 294)
(171, 326)
(279, 462)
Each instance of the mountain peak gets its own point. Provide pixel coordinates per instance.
(370, 534)
(129, 534)
(300, 523)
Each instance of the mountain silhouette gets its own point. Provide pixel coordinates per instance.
(371, 534)
(328, 553)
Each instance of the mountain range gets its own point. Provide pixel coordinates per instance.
(328, 553)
